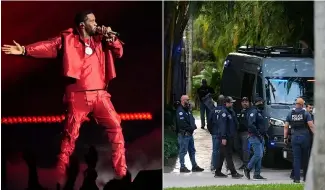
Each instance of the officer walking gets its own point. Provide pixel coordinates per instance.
(226, 134)
(256, 132)
(299, 120)
(203, 92)
(243, 133)
(213, 129)
(235, 144)
(185, 127)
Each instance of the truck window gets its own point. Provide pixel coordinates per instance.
(247, 85)
(284, 90)
(259, 87)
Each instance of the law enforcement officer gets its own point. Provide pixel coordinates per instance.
(299, 120)
(256, 131)
(243, 133)
(310, 109)
(202, 92)
(226, 133)
(213, 129)
(186, 125)
(235, 144)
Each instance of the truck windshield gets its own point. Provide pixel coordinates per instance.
(285, 90)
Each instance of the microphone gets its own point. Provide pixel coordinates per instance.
(100, 30)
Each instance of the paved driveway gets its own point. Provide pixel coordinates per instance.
(203, 144)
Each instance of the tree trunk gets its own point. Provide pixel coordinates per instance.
(189, 61)
(186, 52)
(170, 56)
(169, 6)
(315, 179)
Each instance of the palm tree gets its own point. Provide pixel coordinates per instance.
(222, 26)
(243, 22)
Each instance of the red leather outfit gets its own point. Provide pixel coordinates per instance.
(92, 73)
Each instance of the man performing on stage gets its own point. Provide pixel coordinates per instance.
(87, 53)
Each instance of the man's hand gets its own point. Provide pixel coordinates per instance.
(106, 31)
(16, 49)
(286, 141)
(224, 142)
(260, 137)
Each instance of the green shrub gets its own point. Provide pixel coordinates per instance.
(170, 137)
(169, 116)
(170, 144)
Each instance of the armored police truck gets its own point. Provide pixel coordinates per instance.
(277, 74)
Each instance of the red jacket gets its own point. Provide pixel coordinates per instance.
(74, 52)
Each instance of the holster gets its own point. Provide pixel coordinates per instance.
(185, 133)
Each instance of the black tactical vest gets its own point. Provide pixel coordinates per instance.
(298, 121)
(243, 123)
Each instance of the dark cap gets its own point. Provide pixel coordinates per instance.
(258, 99)
(229, 99)
(244, 99)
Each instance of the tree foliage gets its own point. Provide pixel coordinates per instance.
(223, 26)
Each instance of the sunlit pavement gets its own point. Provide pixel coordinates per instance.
(203, 145)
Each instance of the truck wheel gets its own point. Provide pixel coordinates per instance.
(269, 159)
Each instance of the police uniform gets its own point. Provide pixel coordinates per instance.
(242, 135)
(235, 137)
(310, 132)
(202, 92)
(213, 129)
(256, 130)
(185, 127)
(227, 128)
(300, 140)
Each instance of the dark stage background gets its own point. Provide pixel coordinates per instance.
(33, 86)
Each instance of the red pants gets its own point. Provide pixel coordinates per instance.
(98, 102)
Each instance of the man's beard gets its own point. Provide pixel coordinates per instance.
(91, 32)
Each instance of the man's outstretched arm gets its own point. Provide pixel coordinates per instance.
(42, 49)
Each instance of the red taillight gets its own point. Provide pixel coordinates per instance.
(60, 118)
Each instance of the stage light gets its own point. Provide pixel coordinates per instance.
(60, 118)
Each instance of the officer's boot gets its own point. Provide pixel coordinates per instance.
(197, 169)
(184, 170)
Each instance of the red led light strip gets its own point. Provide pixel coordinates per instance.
(60, 118)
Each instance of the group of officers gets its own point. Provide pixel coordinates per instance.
(250, 128)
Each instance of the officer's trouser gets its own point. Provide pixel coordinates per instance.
(245, 147)
(203, 110)
(186, 143)
(256, 160)
(226, 152)
(98, 102)
(301, 148)
(215, 151)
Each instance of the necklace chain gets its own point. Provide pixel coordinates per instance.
(88, 45)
